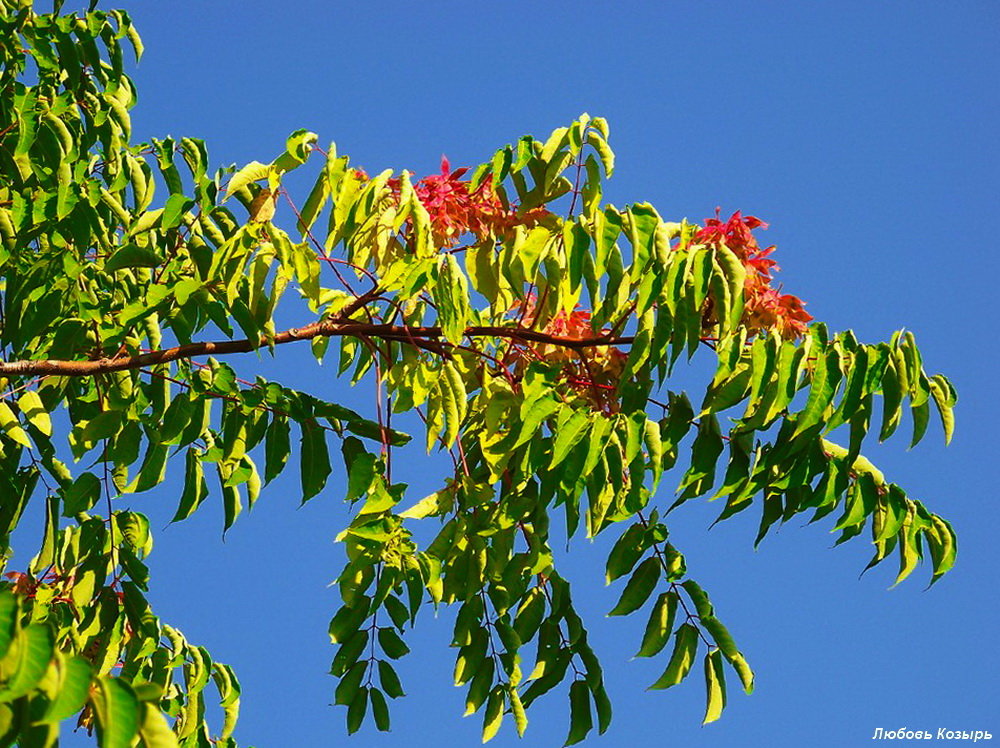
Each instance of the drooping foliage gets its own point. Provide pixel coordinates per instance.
(534, 329)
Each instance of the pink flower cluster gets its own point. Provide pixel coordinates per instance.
(766, 307)
(456, 210)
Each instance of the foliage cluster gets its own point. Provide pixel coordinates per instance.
(532, 327)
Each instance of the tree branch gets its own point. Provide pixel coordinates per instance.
(425, 337)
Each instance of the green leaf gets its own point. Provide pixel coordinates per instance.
(252, 172)
(743, 670)
(380, 710)
(153, 469)
(943, 546)
(763, 360)
(451, 294)
(568, 435)
(942, 392)
(346, 621)
(626, 552)
(493, 716)
(82, 494)
(895, 512)
(517, 709)
(173, 210)
(34, 650)
(728, 391)
(315, 465)
(277, 447)
(195, 487)
(728, 648)
(682, 658)
(228, 686)
(860, 502)
(715, 687)
(705, 451)
(660, 625)
(654, 449)
(529, 614)
(581, 721)
(298, 146)
(391, 644)
(603, 706)
(32, 409)
(826, 376)
(138, 612)
(642, 224)
(360, 467)
(8, 620)
(430, 506)
(315, 202)
(46, 555)
(357, 710)
(454, 400)
(132, 256)
(232, 504)
(480, 687)
(557, 140)
(68, 192)
(350, 682)
(639, 587)
(604, 151)
(921, 417)
(11, 426)
(397, 612)
(892, 397)
(176, 419)
(117, 711)
(389, 680)
(154, 729)
(909, 547)
(537, 412)
(854, 390)
(735, 273)
(720, 634)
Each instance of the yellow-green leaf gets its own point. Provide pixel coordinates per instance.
(11, 426)
(715, 686)
(517, 709)
(660, 625)
(493, 717)
(640, 586)
(685, 649)
(31, 406)
(117, 711)
(252, 172)
(940, 391)
(154, 729)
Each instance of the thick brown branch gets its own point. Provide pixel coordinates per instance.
(425, 337)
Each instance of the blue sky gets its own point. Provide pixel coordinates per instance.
(865, 133)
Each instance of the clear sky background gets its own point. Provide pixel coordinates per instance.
(866, 133)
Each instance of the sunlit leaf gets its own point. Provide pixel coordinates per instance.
(660, 625)
(118, 713)
(682, 658)
(639, 587)
(715, 687)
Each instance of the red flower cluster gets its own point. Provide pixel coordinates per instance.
(24, 585)
(455, 209)
(593, 373)
(27, 586)
(766, 308)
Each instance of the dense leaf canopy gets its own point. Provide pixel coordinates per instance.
(533, 329)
